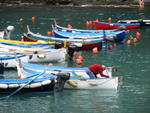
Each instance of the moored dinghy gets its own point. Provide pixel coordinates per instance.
(106, 25)
(79, 79)
(45, 84)
(140, 21)
(39, 54)
(9, 59)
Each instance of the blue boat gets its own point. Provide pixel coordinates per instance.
(43, 84)
(65, 29)
(111, 35)
(79, 78)
(105, 35)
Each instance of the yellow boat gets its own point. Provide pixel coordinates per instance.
(25, 42)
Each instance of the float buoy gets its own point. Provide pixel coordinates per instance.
(78, 61)
(75, 54)
(81, 58)
(90, 22)
(135, 40)
(52, 33)
(21, 20)
(110, 47)
(109, 19)
(49, 33)
(87, 23)
(33, 19)
(138, 35)
(38, 33)
(96, 20)
(114, 45)
(50, 64)
(129, 42)
(69, 26)
(95, 50)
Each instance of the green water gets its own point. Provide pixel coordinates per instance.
(132, 62)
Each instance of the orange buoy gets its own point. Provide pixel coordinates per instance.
(95, 50)
(135, 40)
(138, 35)
(38, 33)
(75, 54)
(109, 19)
(110, 47)
(21, 20)
(96, 20)
(52, 33)
(49, 33)
(129, 42)
(69, 26)
(33, 19)
(78, 61)
(50, 64)
(87, 23)
(81, 58)
(114, 45)
(90, 22)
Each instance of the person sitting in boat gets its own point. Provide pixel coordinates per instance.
(95, 70)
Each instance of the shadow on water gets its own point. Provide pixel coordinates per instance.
(67, 101)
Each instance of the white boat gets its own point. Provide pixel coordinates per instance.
(55, 55)
(79, 79)
(9, 61)
(39, 54)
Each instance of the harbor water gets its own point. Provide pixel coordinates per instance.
(133, 63)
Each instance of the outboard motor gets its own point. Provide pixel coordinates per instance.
(2, 68)
(71, 50)
(8, 31)
(62, 77)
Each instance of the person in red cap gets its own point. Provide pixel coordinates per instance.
(98, 69)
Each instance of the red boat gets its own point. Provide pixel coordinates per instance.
(105, 25)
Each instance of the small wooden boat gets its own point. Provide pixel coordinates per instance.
(28, 44)
(9, 61)
(65, 29)
(140, 21)
(82, 44)
(79, 79)
(105, 25)
(105, 35)
(39, 54)
(55, 55)
(45, 84)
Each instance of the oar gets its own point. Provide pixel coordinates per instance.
(23, 85)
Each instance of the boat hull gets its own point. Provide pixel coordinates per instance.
(51, 56)
(79, 79)
(103, 25)
(11, 63)
(10, 85)
(106, 83)
(141, 22)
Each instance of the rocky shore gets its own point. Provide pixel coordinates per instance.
(73, 3)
